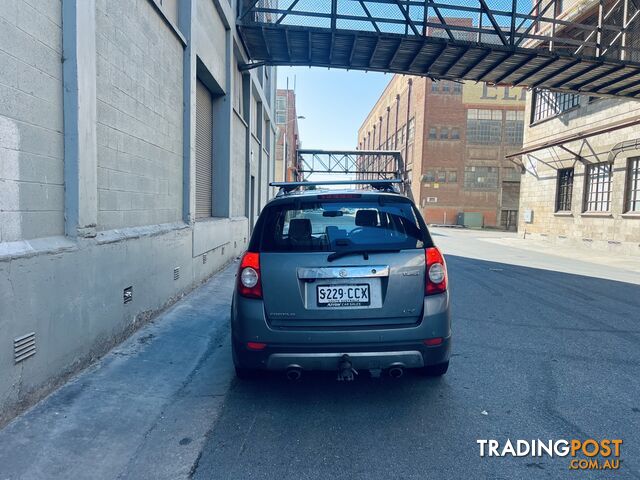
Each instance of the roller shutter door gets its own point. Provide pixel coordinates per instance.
(204, 150)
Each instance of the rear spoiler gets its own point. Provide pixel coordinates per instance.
(384, 185)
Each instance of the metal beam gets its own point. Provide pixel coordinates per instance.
(477, 62)
(609, 71)
(515, 68)
(492, 19)
(535, 71)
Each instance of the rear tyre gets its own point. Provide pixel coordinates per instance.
(241, 372)
(435, 370)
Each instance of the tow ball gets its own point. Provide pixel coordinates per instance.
(346, 372)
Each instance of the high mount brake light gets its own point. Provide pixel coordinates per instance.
(436, 275)
(249, 281)
(333, 196)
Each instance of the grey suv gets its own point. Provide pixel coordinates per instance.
(341, 280)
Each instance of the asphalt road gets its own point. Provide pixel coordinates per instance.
(537, 354)
(545, 347)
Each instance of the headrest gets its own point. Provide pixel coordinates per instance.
(300, 229)
(367, 218)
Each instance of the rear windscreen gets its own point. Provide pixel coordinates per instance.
(348, 224)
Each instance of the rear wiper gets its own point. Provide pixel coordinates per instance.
(359, 251)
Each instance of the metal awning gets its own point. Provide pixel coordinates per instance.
(562, 142)
(588, 48)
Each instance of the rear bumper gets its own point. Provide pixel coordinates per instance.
(327, 357)
(369, 348)
(359, 360)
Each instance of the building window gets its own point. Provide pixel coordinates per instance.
(453, 177)
(429, 176)
(434, 86)
(548, 104)
(411, 131)
(565, 190)
(598, 188)
(513, 127)
(444, 133)
(633, 186)
(510, 174)
(455, 133)
(446, 87)
(433, 133)
(457, 88)
(481, 178)
(484, 126)
(441, 177)
(401, 137)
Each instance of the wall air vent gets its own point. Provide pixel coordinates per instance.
(127, 294)
(176, 273)
(24, 347)
(204, 258)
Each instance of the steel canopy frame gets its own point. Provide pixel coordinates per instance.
(592, 47)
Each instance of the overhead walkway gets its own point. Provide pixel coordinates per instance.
(589, 46)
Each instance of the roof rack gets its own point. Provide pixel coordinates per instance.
(382, 185)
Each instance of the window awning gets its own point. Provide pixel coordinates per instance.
(581, 135)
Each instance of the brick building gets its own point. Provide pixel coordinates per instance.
(582, 160)
(287, 137)
(453, 138)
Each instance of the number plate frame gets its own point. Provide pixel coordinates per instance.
(342, 301)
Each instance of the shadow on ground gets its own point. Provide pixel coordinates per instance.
(537, 354)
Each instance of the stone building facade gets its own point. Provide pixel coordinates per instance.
(453, 138)
(581, 158)
(135, 155)
(584, 191)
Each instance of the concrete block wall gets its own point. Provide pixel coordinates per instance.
(31, 121)
(614, 231)
(134, 226)
(139, 116)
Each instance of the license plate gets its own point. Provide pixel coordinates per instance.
(343, 295)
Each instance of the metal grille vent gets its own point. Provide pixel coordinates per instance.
(127, 294)
(176, 273)
(204, 258)
(24, 347)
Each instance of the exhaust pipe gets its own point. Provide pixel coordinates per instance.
(396, 371)
(293, 373)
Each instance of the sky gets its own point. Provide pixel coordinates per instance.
(334, 103)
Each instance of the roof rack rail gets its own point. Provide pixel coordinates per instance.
(383, 185)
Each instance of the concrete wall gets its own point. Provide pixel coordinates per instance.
(614, 231)
(139, 116)
(127, 157)
(31, 122)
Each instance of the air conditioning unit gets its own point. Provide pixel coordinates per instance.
(432, 199)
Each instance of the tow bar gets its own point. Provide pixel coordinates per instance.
(346, 371)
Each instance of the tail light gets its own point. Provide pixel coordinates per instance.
(249, 282)
(436, 272)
